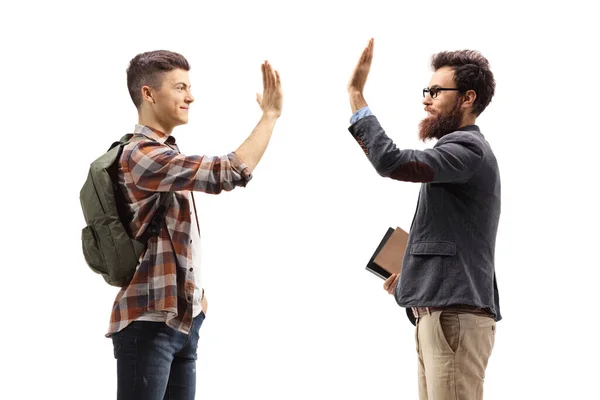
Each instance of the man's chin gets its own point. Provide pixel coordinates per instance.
(182, 121)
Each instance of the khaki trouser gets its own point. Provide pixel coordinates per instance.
(453, 347)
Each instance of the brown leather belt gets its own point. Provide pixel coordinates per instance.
(420, 311)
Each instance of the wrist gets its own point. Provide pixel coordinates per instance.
(271, 115)
(357, 100)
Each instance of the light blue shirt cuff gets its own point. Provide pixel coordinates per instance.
(360, 114)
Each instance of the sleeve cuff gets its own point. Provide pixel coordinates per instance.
(360, 114)
(238, 165)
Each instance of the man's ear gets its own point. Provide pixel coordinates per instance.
(147, 94)
(468, 99)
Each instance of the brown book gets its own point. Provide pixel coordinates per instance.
(388, 256)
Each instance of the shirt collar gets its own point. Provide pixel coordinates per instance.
(469, 128)
(154, 134)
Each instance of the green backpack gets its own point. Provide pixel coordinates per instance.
(108, 248)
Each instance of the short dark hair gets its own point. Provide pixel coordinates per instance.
(148, 69)
(471, 72)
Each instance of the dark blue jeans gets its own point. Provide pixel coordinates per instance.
(156, 362)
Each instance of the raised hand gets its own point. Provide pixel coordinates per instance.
(361, 72)
(271, 101)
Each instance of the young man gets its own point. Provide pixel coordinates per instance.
(156, 318)
(448, 282)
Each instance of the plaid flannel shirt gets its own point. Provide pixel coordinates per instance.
(151, 163)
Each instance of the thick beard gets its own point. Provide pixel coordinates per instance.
(438, 126)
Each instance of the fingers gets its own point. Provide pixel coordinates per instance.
(270, 80)
(270, 77)
(390, 283)
(204, 304)
(267, 82)
(361, 71)
(271, 98)
(392, 287)
(365, 55)
(370, 45)
(367, 52)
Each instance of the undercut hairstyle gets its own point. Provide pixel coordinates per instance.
(471, 72)
(147, 69)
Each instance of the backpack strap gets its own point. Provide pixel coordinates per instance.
(165, 201)
(166, 198)
(122, 141)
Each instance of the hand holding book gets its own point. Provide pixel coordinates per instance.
(390, 283)
(388, 257)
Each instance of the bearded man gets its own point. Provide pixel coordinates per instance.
(448, 281)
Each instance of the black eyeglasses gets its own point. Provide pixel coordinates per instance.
(434, 91)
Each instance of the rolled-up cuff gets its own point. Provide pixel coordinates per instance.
(238, 166)
(359, 114)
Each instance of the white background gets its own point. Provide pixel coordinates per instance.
(292, 312)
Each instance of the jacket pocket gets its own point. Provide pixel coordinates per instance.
(431, 248)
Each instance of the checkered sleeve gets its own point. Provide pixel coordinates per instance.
(157, 167)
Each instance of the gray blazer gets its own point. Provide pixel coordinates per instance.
(449, 259)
